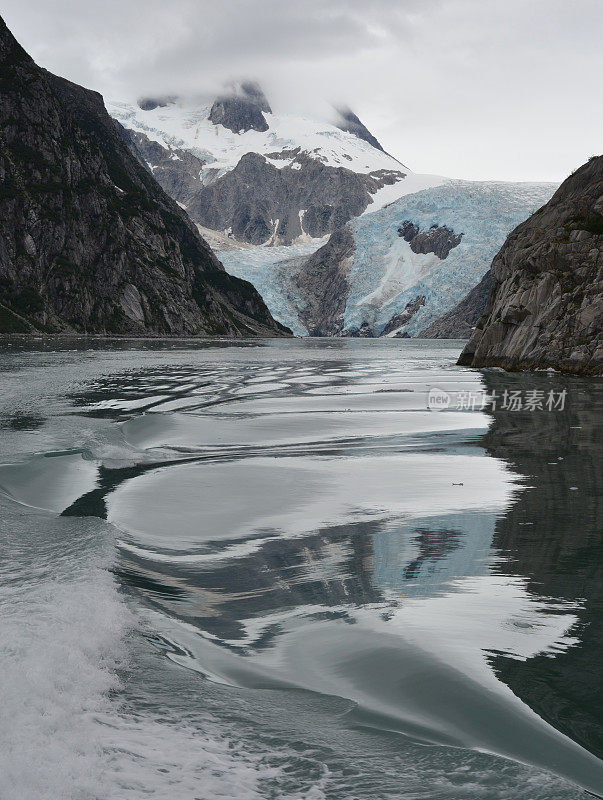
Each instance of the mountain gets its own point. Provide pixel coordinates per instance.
(257, 176)
(395, 271)
(89, 240)
(546, 305)
(269, 189)
(241, 108)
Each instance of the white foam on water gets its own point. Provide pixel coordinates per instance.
(66, 733)
(152, 758)
(62, 640)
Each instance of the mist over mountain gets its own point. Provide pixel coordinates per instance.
(259, 176)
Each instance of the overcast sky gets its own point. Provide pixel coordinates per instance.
(503, 89)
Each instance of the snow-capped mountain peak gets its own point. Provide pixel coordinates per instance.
(198, 126)
(259, 175)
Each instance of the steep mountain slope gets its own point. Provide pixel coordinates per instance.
(322, 282)
(89, 241)
(348, 121)
(257, 176)
(546, 305)
(403, 267)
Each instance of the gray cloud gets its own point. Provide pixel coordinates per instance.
(467, 88)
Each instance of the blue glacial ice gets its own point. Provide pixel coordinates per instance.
(385, 274)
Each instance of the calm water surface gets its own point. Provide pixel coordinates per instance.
(265, 569)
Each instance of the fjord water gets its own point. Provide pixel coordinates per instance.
(265, 569)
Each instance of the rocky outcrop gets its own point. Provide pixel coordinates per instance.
(323, 289)
(260, 203)
(349, 122)
(398, 321)
(323, 286)
(89, 241)
(439, 239)
(460, 322)
(241, 109)
(177, 171)
(546, 305)
(254, 92)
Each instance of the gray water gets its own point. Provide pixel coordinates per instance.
(266, 569)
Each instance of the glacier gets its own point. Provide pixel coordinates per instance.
(272, 270)
(385, 274)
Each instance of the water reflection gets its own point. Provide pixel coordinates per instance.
(552, 535)
(305, 522)
(270, 558)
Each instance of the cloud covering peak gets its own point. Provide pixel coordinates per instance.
(467, 88)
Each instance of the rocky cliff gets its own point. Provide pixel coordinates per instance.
(261, 203)
(274, 199)
(348, 121)
(241, 108)
(89, 241)
(181, 182)
(323, 286)
(546, 305)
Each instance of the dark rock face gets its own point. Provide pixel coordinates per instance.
(403, 317)
(459, 322)
(323, 285)
(241, 109)
(260, 202)
(439, 239)
(177, 171)
(238, 115)
(348, 121)
(89, 241)
(253, 91)
(546, 305)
